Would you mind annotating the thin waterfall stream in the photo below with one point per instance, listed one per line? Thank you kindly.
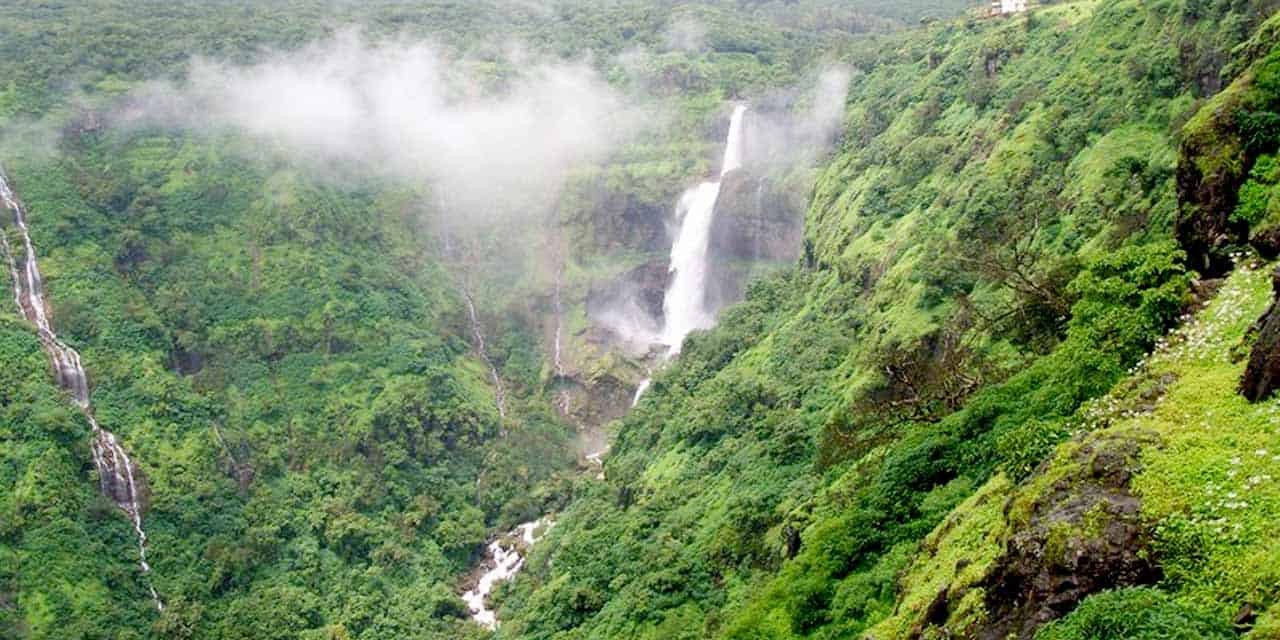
(117, 473)
(499, 393)
(563, 399)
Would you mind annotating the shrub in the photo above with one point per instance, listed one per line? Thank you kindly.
(1136, 613)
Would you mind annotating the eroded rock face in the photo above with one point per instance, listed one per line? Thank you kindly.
(1083, 536)
(755, 221)
(1262, 375)
(644, 286)
(1205, 202)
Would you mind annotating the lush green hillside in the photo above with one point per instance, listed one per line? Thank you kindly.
(995, 396)
(288, 357)
(990, 251)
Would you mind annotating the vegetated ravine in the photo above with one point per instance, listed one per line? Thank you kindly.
(953, 332)
(684, 310)
(119, 477)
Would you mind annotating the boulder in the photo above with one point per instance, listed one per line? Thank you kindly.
(1083, 535)
(1262, 374)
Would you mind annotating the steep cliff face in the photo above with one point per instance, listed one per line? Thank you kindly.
(1221, 145)
(758, 222)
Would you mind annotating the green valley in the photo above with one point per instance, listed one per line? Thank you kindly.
(559, 319)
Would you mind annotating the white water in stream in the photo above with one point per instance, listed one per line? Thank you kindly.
(684, 308)
(116, 471)
(506, 557)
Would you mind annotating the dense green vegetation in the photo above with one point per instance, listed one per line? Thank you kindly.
(988, 252)
(290, 360)
(999, 336)
(286, 364)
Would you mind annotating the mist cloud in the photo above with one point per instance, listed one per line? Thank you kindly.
(405, 109)
(686, 34)
(799, 134)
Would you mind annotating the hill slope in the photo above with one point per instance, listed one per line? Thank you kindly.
(991, 251)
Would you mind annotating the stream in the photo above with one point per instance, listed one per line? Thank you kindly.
(505, 558)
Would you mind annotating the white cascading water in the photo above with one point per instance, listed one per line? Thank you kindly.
(640, 389)
(684, 308)
(506, 554)
(116, 471)
(499, 394)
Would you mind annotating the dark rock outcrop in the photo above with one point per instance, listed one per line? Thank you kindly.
(1262, 375)
(1209, 178)
(1266, 242)
(1217, 153)
(1083, 535)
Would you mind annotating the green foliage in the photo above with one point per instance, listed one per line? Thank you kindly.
(1258, 202)
(1138, 613)
(986, 255)
(996, 177)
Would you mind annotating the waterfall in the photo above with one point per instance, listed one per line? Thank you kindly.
(684, 307)
(564, 400)
(559, 364)
(117, 473)
(640, 389)
(499, 394)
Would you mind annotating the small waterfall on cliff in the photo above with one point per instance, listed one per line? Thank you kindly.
(684, 306)
(117, 473)
(563, 399)
(499, 393)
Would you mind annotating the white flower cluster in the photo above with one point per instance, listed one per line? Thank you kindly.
(1196, 338)
(1224, 503)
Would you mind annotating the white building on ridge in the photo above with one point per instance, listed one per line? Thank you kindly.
(1002, 7)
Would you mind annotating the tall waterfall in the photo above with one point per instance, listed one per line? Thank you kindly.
(117, 473)
(684, 307)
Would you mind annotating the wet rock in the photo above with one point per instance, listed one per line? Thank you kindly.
(755, 221)
(1262, 374)
(1266, 242)
(592, 403)
(644, 287)
(1083, 535)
